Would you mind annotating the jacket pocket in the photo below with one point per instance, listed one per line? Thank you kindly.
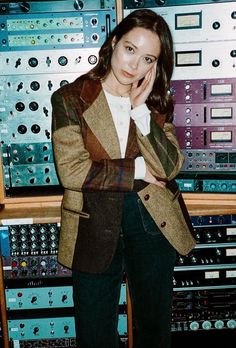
(81, 213)
(68, 236)
(149, 225)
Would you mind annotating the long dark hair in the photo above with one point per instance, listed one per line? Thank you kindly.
(159, 99)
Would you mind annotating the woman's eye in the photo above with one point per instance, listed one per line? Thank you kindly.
(148, 60)
(130, 49)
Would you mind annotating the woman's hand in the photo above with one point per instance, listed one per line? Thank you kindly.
(152, 180)
(139, 94)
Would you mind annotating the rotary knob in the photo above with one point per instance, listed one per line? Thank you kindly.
(216, 25)
(160, 2)
(62, 61)
(206, 325)
(35, 85)
(194, 326)
(35, 128)
(35, 330)
(20, 106)
(33, 106)
(215, 63)
(22, 129)
(188, 134)
(139, 3)
(78, 5)
(231, 324)
(219, 324)
(25, 7)
(92, 59)
(34, 299)
(33, 62)
(3, 8)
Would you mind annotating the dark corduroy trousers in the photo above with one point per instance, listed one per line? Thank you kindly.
(147, 259)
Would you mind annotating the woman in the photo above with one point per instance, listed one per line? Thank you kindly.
(116, 155)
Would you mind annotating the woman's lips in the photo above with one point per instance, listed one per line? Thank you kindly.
(127, 74)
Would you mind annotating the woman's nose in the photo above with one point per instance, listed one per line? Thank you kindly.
(134, 63)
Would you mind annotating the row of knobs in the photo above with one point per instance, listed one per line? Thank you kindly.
(215, 255)
(31, 268)
(207, 325)
(25, 6)
(78, 5)
(34, 262)
(36, 330)
(62, 60)
(34, 298)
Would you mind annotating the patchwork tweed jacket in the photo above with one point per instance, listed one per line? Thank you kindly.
(94, 177)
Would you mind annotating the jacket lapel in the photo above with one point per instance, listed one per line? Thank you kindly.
(132, 149)
(99, 119)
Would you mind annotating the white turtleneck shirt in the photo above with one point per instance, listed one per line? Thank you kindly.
(121, 111)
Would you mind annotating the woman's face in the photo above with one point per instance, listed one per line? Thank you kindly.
(134, 55)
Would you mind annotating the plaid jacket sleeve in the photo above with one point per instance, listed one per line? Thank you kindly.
(75, 167)
(161, 151)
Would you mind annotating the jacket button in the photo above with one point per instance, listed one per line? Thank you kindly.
(163, 224)
(146, 197)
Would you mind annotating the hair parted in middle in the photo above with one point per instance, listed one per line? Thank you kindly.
(159, 99)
